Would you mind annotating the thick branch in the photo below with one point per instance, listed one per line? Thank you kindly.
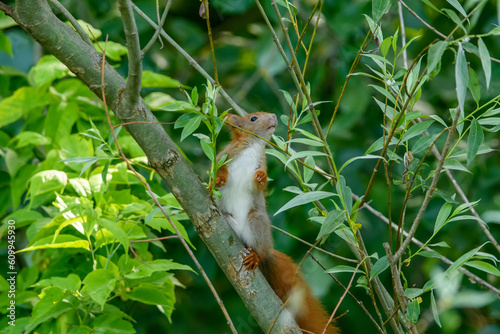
(36, 17)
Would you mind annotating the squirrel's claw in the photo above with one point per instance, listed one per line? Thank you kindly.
(251, 260)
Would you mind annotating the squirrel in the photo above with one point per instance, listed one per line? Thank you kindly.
(242, 182)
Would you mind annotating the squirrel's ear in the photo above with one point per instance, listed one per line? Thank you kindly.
(234, 120)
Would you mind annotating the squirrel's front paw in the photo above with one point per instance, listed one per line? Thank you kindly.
(261, 178)
(220, 181)
(251, 260)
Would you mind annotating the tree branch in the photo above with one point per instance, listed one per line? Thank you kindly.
(429, 192)
(133, 87)
(58, 38)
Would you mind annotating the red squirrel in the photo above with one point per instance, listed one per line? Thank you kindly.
(242, 182)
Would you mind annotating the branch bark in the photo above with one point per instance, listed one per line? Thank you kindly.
(59, 39)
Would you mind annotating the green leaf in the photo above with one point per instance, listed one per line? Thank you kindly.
(48, 69)
(379, 8)
(110, 323)
(154, 295)
(47, 181)
(380, 266)
(148, 268)
(474, 86)
(191, 126)
(442, 216)
(385, 46)
(344, 269)
(464, 258)
(151, 79)
(308, 173)
(454, 164)
(23, 101)
(117, 231)
(416, 130)
(304, 199)
(60, 118)
(458, 7)
(484, 266)
(476, 138)
(413, 292)
(435, 54)
(413, 311)
(26, 138)
(194, 96)
(484, 55)
(306, 141)
(454, 17)
(71, 283)
(302, 154)
(435, 312)
(62, 241)
(332, 220)
(368, 156)
(423, 143)
(5, 44)
(289, 100)
(114, 51)
(346, 192)
(99, 284)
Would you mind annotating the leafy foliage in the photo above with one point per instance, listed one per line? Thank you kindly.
(90, 258)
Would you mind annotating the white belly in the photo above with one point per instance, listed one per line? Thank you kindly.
(238, 192)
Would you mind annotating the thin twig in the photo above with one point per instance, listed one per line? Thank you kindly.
(421, 20)
(417, 242)
(430, 191)
(398, 287)
(158, 29)
(8, 10)
(360, 303)
(191, 60)
(72, 20)
(207, 18)
(403, 34)
(302, 87)
(315, 247)
(342, 297)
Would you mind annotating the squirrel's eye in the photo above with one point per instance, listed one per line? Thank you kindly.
(254, 118)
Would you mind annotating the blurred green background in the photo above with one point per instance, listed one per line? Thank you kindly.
(252, 71)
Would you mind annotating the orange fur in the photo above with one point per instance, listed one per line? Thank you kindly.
(283, 276)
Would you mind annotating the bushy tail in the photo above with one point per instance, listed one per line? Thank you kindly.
(288, 284)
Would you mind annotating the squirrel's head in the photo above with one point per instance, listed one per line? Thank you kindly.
(262, 124)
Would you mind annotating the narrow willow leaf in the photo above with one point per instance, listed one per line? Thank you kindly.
(435, 54)
(304, 199)
(344, 269)
(423, 143)
(381, 265)
(454, 164)
(474, 86)
(368, 156)
(458, 7)
(332, 220)
(413, 292)
(416, 130)
(435, 311)
(302, 154)
(476, 138)
(461, 77)
(379, 8)
(442, 216)
(413, 311)
(464, 258)
(484, 266)
(191, 127)
(485, 61)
